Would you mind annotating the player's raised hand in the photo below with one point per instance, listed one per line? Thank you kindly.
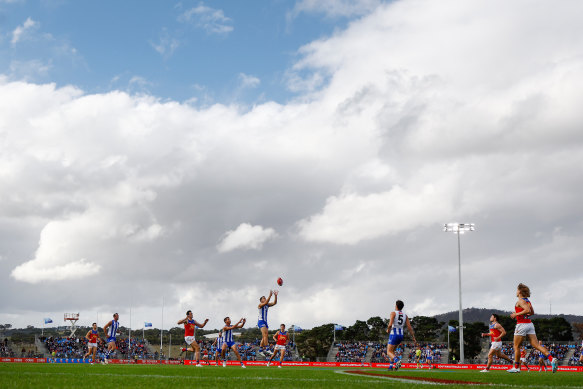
(276, 292)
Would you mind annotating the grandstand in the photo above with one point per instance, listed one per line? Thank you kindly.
(563, 351)
(76, 347)
(574, 355)
(5, 350)
(375, 352)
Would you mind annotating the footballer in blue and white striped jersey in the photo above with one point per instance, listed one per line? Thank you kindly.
(111, 329)
(218, 343)
(264, 305)
(397, 321)
(228, 341)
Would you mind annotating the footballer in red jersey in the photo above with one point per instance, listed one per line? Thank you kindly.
(496, 334)
(92, 336)
(523, 357)
(281, 340)
(525, 329)
(189, 326)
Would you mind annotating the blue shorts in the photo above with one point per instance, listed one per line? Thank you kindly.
(229, 344)
(395, 339)
(262, 323)
(111, 339)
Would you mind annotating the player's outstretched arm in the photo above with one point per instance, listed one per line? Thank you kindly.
(200, 325)
(241, 323)
(261, 305)
(275, 299)
(182, 321)
(87, 335)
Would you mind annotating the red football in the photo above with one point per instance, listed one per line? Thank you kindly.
(279, 281)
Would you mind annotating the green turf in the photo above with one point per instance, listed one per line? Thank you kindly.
(164, 376)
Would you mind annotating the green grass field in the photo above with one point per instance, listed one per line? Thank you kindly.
(21, 375)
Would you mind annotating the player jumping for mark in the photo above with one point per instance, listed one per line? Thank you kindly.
(264, 305)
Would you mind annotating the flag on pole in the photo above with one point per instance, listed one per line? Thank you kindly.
(48, 320)
(146, 324)
(451, 329)
(338, 327)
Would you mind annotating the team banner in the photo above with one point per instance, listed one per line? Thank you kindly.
(576, 369)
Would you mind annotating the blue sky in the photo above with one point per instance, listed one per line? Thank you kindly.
(222, 51)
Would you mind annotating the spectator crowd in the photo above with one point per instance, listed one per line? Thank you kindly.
(76, 347)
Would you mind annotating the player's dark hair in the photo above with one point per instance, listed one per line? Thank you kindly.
(188, 312)
(524, 290)
(282, 325)
(94, 323)
(225, 319)
(399, 304)
(115, 314)
(261, 298)
(495, 316)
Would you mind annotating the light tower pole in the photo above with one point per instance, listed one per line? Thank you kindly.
(460, 228)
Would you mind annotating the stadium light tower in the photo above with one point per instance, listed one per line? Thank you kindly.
(460, 228)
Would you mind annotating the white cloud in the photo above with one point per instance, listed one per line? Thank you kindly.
(20, 32)
(248, 81)
(352, 218)
(246, 237)
(29, 70)
(211, 20)
(336, 8)
(166, 44)
(414, 115)
(33, 273)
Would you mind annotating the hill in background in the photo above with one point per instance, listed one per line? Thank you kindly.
(483, 315)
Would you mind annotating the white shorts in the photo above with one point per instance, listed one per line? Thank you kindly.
(496, 346)
(92, 345)
(189, 339)
(279, 347)
(523, 360)
(523, 329)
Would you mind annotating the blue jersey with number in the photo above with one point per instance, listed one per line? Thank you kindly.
(399, 323)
